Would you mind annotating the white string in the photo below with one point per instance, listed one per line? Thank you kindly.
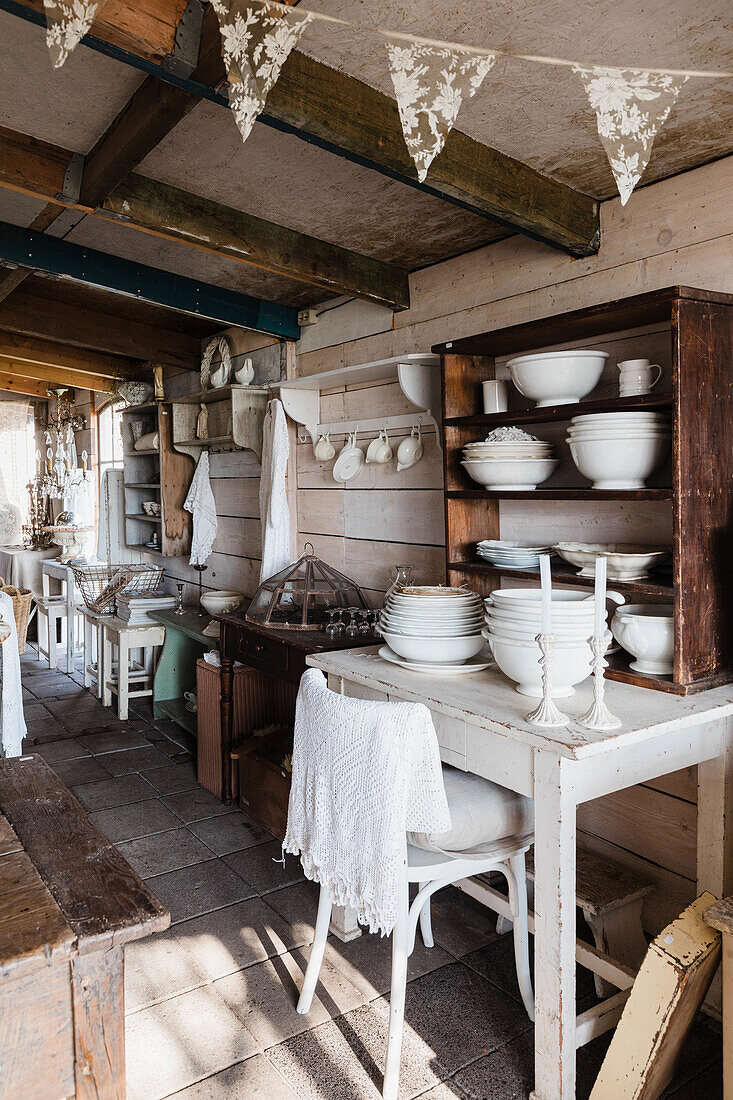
(486, 51)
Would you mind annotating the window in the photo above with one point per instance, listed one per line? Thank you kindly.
(109, 432)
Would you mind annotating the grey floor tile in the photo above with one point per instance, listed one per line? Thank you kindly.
(236, 937)
(26, 695)
(172, 778)
(120, 790)
(264, 997)
(136, 820)
(141, 759)
(297, 905)
(155, 855)
(495, 962)
(254, 1079)
(191, 891)
(83, 706)
(258, 866)
(48, 728)
(367, 961)
(460, 923)
(34, 711)
(230, 832)
(112, 740)
(449, 1090)
(181, 1041)
(158, 968)
(84, 770)
(67, 749)
(196, 805)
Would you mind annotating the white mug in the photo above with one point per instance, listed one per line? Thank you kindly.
(495, 396)
(324, 449)
(410, 450)
(379, 450)
(636, 376)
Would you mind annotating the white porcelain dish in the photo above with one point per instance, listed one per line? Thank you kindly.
(416, 630)
(478, 663)
(221, 601)
(532, 597)
(510, 473)
(625, 561)
(557, 377)
(625, 463)
(646, 631)
(520, 662)
(505, 544)
(434, 650)
(350, 461)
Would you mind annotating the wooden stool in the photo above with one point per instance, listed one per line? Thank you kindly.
(55, 609)
(69, 902)
(116, 633)
(93, 649)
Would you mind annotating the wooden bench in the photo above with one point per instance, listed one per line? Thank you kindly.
(68, 903)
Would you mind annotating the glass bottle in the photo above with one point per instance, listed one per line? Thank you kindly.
(403, 579)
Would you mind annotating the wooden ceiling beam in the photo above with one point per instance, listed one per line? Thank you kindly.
(29, 349)
(177, 216)
(55, 375)
(14, 383)
(145, 27)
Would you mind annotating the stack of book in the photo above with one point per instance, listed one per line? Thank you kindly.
(136, 610)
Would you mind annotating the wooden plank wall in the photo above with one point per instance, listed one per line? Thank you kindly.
(679, 230)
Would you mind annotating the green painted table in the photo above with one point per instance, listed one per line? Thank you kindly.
(184, 643)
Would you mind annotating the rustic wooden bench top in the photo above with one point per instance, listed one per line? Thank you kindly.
(65, 890)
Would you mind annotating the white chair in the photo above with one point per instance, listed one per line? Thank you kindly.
(55, 609)
(482, 813)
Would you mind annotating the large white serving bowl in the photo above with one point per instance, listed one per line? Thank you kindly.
(646, 631)
(517, 598)
(557, 377)
(520, 661)
(510, 473)
(221, 601)
(616, 464)
(625, 561)
(583, 628)
(625, 418)
(435, 650)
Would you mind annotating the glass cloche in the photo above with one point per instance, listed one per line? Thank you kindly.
(300, 596)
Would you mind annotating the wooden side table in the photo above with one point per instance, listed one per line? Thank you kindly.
(116, 633)
(68, 903)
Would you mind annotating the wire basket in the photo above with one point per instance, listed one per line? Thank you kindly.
(100, 585)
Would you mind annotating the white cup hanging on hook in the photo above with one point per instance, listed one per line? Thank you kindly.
(410, 450)
(324, 449)
(379, 450)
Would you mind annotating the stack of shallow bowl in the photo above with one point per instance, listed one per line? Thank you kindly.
(433, 625)
(511, 555)
(513, 621)
(509, 463)
(619, 450)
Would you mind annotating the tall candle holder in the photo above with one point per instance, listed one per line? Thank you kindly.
(598, 716)
(546, 713)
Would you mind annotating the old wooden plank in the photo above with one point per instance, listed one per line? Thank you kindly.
(97, 989)
(27, 349)
(33, 931)
(146, 26)
(18, 383)
(30, 165)
(371, 563)
(237, 496)
(425, 474)
(36, 1037)
(64, 375)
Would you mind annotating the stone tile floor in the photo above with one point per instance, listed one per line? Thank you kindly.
(211, 1003)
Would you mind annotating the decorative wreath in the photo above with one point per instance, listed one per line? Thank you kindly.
(220, 344)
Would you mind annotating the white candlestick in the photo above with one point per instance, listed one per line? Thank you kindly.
(599, 628)
(546, 593)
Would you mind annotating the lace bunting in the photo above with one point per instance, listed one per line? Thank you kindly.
(631, 107)
(430, 85)
(256, 43)
(67, 21)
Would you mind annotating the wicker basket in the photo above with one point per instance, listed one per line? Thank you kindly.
(100, 585)
(22, 599)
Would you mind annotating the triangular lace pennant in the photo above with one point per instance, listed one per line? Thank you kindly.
(430, 84)
(256, 43)
(631, 107)
(67, 21)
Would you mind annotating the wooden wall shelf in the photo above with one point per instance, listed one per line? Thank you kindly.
(698, 326)
(236, 416)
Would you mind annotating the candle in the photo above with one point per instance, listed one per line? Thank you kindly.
(599, 628)
(84, 457)
(38, 461)
(546, 593)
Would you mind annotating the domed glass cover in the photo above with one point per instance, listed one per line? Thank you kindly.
(300, 596)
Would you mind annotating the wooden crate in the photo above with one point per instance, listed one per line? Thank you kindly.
(264, 790)
(259, 700)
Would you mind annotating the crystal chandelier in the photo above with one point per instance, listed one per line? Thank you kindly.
(60, 451)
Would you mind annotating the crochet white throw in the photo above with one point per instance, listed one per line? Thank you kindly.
(200, 502)
(274, 511)
(364, 773)
(12, 722)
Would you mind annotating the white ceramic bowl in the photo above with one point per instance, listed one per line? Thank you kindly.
(520, 661)
(221, 601)
(625, 561)
(531, 598)
(434, 650)
(646, 631)
(557, 377)
(605, 418)
(610, 465)
(510, 473)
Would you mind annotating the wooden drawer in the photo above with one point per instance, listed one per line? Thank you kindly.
(267, 654)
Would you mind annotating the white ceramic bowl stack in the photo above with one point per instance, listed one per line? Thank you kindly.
(619, 450)
(511, 555)
(513, 619)
(522, 462)
(433, 625)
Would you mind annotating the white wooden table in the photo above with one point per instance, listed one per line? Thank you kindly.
(481, 726)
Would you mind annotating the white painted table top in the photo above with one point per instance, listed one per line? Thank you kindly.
(487, 699)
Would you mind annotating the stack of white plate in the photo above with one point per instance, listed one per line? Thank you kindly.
(513, 621)
(619, 450)
(509, 463)
(429, 624)
(511, 555)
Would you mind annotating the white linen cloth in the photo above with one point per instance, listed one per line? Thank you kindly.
(200, 503)
(364, 773)
(274, 511)
(12, 721)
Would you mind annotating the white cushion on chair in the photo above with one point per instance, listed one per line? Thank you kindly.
(482, 812)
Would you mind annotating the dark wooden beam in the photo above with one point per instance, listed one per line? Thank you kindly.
(344, 116)
(175, 215)
(29, 349)
(29, 387)
(145, 27)
(148, 284)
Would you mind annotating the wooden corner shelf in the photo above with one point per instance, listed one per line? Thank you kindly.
(235, 418)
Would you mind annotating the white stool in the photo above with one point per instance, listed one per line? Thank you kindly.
(116, 633)
(93, 649)
(55, 609)
(481, 813)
